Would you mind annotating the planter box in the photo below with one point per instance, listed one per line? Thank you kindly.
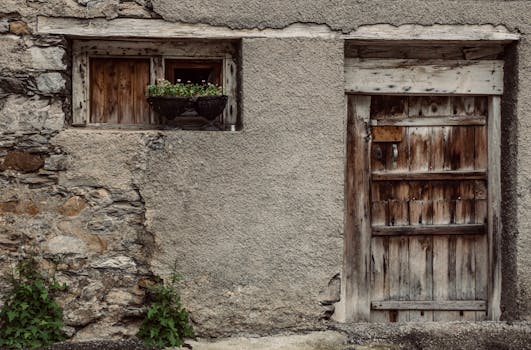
(208, 107)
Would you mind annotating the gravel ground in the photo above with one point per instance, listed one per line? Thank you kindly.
(130, 344)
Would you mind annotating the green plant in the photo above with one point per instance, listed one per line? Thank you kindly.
(30, 317)
(166, 322)
(165, 88)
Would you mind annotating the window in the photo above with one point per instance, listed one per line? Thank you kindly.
(109, 80)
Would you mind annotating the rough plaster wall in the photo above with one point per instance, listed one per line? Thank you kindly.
(345, 15)
(254, 218)
(523, 111)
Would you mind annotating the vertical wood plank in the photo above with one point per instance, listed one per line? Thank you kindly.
(465, 248)
(494, 200)
(379, 210)
(357, 224)
(230, 88)
(124, 92)
(156, 74)
(111, 92)
(379, 276)
(465, 273)
(398, 275)
(443, 255)
(480, 148)
(420, 275)
(438, 144)
(80, 86)
(463, 105)
(141, 108)
(482, 261)
(419, 148)
(97, 91)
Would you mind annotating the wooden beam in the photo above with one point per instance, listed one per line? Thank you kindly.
(429, 230)
(432, 121)
(158, 28)
(457, 305)
(423, 77)
(494, 211)
(422, 176)
(80, 91)
(430, 34)
(355, 280)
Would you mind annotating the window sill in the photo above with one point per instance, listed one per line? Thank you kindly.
(133, 127)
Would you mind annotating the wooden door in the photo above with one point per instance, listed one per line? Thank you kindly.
(419, 189)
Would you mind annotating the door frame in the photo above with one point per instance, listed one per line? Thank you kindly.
(410, 77)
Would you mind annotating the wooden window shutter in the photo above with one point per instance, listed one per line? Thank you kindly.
(117, 90)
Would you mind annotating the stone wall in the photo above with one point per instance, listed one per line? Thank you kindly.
(91, 234)
(254, 219)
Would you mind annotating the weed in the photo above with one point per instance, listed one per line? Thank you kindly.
(166, 322)
(30, 317)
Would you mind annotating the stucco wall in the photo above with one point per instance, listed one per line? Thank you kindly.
(253, 218)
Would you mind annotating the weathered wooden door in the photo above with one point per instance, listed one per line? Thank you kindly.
(428, 195)
(422, 218)
(418, 179)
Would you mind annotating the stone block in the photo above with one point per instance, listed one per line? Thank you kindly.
(18, 113)
(19, 28)
(22, 161)
(56, 162)
(4, 25)
(73, 206)
(47, 58)
(121, 297)
(66, 245)
(82, 314)
(51, 83)
(26, 207)
(118, 262)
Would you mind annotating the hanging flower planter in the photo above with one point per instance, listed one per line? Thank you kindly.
(210, 106)
(170, 106)
(173, 100)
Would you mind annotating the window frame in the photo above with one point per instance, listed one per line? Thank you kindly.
(157, 52)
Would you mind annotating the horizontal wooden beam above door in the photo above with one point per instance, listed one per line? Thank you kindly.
(457, 305)
(429, 34)
(423, 77)
(429, 230)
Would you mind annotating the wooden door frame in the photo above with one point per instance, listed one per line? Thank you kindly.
(355, 303)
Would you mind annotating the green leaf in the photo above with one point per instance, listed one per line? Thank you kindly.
(11, 315)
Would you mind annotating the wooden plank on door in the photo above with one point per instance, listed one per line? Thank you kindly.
(398, 276)
(482, 259)
(379, 276)
(494, 200)
(357, 263)
(420, 275)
